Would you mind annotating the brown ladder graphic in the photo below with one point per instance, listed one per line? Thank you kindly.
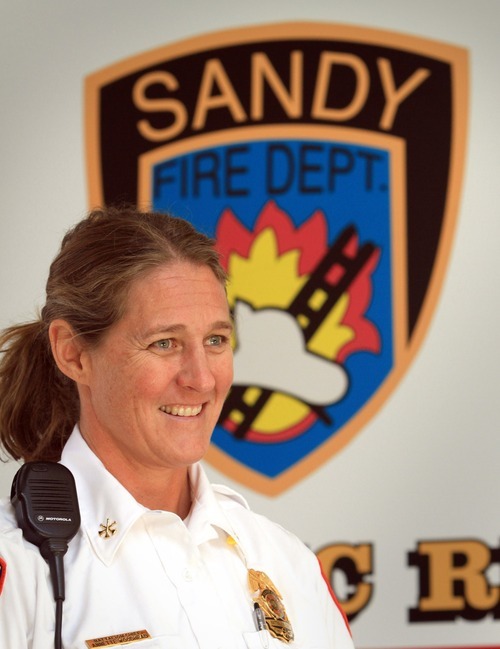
(327, 283)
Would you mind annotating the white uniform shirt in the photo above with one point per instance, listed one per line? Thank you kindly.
(184, 582)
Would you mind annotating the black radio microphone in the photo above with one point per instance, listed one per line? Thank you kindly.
(46, 504)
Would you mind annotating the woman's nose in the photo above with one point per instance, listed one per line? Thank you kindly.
(196, 372)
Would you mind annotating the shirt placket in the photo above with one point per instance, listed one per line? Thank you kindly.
(206, 618)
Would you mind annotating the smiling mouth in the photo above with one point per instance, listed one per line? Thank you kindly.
(182, 411)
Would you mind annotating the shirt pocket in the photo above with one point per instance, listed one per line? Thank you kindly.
(162, 642)
(264, 640)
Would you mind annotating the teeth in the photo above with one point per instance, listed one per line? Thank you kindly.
(181, 411)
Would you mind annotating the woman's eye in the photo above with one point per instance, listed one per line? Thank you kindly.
(216, 340)
(165, 343)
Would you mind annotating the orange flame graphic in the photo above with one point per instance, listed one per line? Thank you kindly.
(283, 264)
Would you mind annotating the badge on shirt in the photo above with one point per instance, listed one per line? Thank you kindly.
(265, 593)
(118, 640)
(3, 573)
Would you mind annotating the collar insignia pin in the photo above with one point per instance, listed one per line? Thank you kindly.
(108, 529)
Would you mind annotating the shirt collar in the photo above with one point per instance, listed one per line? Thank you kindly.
(206, 512)
(105, 504)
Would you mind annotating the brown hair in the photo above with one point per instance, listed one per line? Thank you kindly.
(87, 287)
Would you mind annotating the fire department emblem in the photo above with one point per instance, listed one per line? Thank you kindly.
(326, 161)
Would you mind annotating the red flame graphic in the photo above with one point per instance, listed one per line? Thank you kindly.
(311, 239)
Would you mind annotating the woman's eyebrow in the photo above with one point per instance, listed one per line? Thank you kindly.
(179, 328)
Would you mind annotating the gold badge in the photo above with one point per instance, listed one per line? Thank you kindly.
(268, 597)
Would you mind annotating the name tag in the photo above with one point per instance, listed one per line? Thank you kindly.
(117, 640)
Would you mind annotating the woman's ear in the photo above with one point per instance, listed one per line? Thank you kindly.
(67, 349)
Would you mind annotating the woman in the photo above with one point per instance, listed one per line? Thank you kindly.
(122, 380)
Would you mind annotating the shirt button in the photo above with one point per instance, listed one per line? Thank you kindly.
(188, 575)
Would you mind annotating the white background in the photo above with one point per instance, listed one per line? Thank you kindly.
(427, 466)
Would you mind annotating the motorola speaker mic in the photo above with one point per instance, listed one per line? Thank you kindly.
(44, 498)
(46, 505)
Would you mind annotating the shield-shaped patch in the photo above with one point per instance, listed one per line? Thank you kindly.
(327, 162)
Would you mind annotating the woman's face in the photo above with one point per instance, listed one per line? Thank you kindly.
(155, 385)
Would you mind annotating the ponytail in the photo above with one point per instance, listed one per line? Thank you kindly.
(38, 404)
